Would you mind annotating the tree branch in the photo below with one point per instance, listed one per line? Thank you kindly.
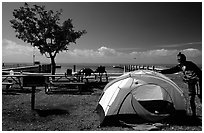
(47, 56)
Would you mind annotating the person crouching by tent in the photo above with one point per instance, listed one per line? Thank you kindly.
(192, 76)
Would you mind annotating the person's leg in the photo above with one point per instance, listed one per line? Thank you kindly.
(200, 88)
(192, 104)
(192, 93)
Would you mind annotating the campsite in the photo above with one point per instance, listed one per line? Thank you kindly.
(54, 55)
(66, 111)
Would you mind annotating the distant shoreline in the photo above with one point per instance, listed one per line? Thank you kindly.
(28, 63)
(93, 66)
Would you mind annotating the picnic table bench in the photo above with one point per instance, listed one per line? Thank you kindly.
(79, 85)
(16, 79)
(8, 85)
(38, 80)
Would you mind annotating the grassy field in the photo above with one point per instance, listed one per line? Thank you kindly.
(73, 112)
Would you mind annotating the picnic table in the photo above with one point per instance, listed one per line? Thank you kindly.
(8, 85)
(34, 80)
(79, 85)
(17, 79)
(38, 80)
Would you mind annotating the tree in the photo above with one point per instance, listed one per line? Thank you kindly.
(42, 29)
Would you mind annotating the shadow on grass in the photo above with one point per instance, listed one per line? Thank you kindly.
(10, 93)
(60, 109)
(59, 91)
(17, 91)
(48, 112)
(174, 120)
(184, 120)
(68, 92)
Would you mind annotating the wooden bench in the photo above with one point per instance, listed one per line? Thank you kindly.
(64, 83)
(8, 85)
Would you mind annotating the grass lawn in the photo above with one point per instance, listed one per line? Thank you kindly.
(73, 112)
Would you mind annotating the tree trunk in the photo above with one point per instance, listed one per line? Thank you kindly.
(53, 65)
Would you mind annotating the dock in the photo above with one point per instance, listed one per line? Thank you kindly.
(129, 68)
(44, 68)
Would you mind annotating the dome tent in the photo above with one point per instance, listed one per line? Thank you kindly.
(147, 94)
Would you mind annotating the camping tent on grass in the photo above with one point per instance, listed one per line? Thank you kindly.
(140, 95)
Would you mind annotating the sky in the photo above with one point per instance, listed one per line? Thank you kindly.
(117, 32)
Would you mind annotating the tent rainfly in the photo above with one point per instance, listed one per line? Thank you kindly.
(149, 95)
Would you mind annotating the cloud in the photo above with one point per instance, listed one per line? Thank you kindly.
(191, 52)
(109, 55)
(181, 45)
(101, 52)
(165, 53)
(83, 53)
(18, 52)
(105, 52)
(154, 53)
(12, 48)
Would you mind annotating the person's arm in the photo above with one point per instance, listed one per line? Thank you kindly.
(171, 70)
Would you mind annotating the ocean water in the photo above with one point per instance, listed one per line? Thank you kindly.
(109, 67)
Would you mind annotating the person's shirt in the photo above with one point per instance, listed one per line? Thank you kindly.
(190, 70)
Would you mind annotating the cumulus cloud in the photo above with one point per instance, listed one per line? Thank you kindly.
(12, 48)
(181, 45)
(191, 52)
(101, 52)
(154, 53)
(104, 51)
(83, 53)
(109, 52)
(106, 54)
(16, 51)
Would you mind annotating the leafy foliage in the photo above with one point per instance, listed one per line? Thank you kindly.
(42, 29)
